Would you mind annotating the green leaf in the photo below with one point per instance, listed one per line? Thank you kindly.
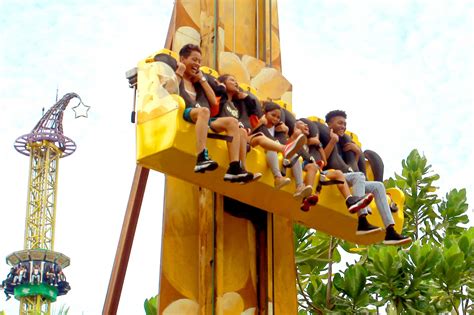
(150, 305)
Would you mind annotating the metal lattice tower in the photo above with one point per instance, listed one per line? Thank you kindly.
(45, 145)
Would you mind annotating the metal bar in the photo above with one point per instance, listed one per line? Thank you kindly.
(264, 32)
(220, 137)
(262, 268)
(257, 34)
(124, 247)
(206, 209)
(233, 33)
(215, 41)
(270, 30)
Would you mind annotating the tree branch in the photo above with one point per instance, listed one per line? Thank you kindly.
(317, 310)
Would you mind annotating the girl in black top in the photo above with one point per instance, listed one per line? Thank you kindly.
(200, 98)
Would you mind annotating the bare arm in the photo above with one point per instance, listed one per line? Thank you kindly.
(313, 141)
(211, 96)
(180, 71)
(351, 146)
(333, 139)
(323, 155)
(281, 127)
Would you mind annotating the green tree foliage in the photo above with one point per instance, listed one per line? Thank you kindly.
(63, 310)
(403, 278)
(352, 285)
(455, 272)
(417, 182)
(151, 305)
(314, 256)
(434, 275)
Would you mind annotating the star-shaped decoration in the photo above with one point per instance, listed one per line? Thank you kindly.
(80, 110)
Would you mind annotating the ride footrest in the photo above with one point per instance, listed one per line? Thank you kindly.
(220, 137)
(323, 181)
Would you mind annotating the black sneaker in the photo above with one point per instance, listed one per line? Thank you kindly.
(204, 163)
(235, 173)
(393, 238)
(355, 203)
(364, 227)
(251, 177)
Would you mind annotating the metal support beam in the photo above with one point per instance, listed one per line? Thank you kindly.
(124, 247)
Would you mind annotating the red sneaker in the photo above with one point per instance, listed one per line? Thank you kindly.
(305, 205)
(313, 200)
(308, 202)
(292, 147)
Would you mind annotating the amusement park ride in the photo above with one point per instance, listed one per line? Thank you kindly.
(36, 276)
(226, 248)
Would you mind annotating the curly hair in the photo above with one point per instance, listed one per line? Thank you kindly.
(335, 113)
(187, 49)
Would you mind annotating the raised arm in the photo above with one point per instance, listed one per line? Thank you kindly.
(211, 97)
(333, 139)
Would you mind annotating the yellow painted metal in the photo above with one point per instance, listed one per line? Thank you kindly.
(167, 144)
(284, 269)
(40, 212)
(34, 305)
(285, 105)
(248, 88)
(209, 71)
(151, 57)
(208, 255)
(42, 188)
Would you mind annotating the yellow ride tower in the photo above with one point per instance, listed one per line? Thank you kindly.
(36, 277)
(226, 248)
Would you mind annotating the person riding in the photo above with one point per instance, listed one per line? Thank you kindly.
(200, 100)
(246, 108)
(336, 121)
(314, 163)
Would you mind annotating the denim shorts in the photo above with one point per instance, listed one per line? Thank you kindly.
(187, 116)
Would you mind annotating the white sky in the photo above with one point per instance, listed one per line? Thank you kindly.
(403, 71)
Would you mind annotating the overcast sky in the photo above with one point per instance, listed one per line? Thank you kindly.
(403, 71)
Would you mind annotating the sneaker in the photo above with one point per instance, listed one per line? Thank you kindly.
(364, 227)
(303, 191)
(281, 181)
(235, 173)
(355, 203)
(294, 146)
(251, 177)
(393, 238)
(305, 205)
(313, 199)
(308, 202)
(204, 163)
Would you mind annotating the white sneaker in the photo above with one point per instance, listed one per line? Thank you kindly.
(281, 182)
(303, 191)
